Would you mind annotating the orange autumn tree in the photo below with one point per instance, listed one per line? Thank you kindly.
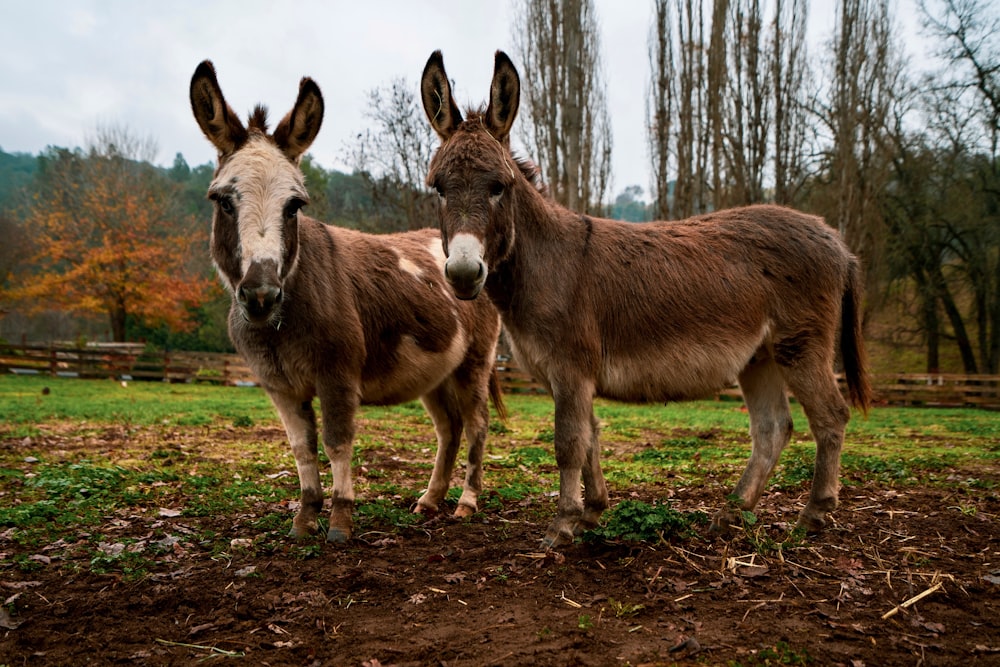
(109, 239)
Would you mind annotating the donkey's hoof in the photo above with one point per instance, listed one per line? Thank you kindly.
(722, 523)
(338, 535)
(300, 532)
(426, 510)
(558, 535)
(811, 524)
(463, 511)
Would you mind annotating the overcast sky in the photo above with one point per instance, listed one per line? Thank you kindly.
(68, 66)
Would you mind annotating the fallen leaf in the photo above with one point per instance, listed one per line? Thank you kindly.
(6, 621)
(167, 512)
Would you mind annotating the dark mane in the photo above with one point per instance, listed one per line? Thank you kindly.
(257, 121)
(475, 117)
(532, 174)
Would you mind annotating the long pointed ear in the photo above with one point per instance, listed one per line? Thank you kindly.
(215, 118)
(505, 95)
(297, 130)
(439, 105)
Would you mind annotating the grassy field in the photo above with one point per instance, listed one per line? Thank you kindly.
(139, 432)
(92, 446)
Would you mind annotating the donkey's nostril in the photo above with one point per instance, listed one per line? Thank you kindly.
(482, 270)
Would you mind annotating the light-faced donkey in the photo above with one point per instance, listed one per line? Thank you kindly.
(350, 318)
(664, 311)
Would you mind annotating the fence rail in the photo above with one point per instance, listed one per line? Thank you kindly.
(125, 361)
(134, 361)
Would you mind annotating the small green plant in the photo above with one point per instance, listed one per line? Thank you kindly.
(132, 563)
(546, 435)
(624, 609)
(383, 512)
(637, 521)
(584, 622)
(779, 654)
(243, 421)
(26, 564)
(533, 456)
(307, 551)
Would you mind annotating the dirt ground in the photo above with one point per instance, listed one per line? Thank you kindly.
(482, 591)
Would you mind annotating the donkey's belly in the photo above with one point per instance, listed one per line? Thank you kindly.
(415, 372)
(672, 373)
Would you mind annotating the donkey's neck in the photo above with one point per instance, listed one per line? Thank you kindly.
(550, 248)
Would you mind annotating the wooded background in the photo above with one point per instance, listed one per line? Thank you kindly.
(100, 244)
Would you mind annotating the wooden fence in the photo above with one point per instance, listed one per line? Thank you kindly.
(134, 361)
(126, 362)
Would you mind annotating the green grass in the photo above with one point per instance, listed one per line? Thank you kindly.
(84, 451)
(28, 401)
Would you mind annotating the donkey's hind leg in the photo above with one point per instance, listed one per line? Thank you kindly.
(442, 406)
(595, 488)
(770, 430)
(816, 389)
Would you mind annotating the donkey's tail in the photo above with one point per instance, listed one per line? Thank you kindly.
(496, 394)
(852, 343)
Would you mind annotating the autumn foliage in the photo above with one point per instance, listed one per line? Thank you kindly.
(109, 239)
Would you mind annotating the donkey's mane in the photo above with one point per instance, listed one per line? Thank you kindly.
(532, 174)
(475, 117)
(257, 121)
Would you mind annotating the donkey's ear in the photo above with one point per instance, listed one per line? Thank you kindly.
(505, 95)
(297, 130)
(215, 118)
(439, 105)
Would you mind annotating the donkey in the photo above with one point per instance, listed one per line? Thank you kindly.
(349, 317)
(663, 311)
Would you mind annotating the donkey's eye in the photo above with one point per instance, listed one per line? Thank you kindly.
(293, 206)
(225, 204)
(496, 190)
(439, 190)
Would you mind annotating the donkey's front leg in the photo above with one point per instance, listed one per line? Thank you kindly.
(299, 420)
(573, 440)
(339, 407)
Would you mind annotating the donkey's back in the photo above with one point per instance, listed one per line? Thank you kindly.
(676, 310)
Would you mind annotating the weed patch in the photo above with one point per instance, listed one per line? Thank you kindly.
(637, 521)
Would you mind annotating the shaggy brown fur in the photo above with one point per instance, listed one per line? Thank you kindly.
(349, 317)
(648, 312)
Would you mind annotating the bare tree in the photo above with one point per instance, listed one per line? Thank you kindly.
(715, 98)
(690, 192)
(746, 123)
(789, 78)
(393, 156)
(865, 85)
(713, 108)
(568, 130)
(660, 106)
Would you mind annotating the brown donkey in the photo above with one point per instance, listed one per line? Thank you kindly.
(349, 317)
(662, 311)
